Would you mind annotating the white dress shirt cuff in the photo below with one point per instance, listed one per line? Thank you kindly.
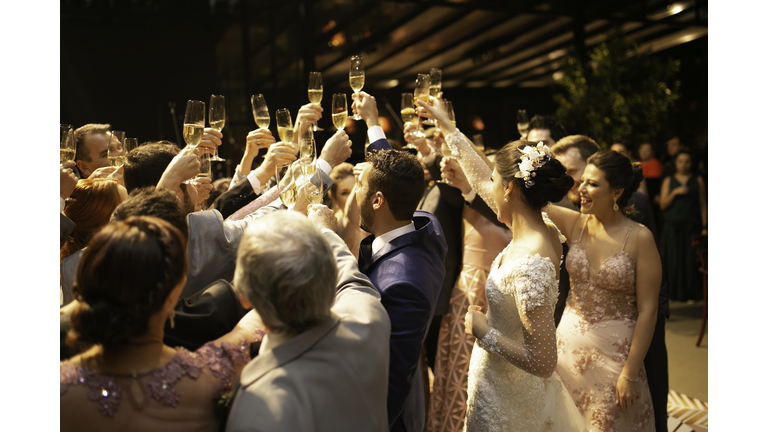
(469, 197)
(255, 183)
(375, 133)
(324, 166)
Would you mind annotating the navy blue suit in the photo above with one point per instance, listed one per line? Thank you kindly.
(408, 272)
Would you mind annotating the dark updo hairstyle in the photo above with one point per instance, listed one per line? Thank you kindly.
(551, 182)
(125, 276)
(619, 171)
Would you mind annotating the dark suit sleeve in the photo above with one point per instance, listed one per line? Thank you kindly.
(379, 144)
(66, 226)
(235, 198)
(480, 206)
(408, 309)
(449, 194)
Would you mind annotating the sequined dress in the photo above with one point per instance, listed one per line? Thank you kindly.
(178, 396)
(510, 384)
(594, 337)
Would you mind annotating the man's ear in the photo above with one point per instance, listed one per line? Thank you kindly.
(246, 304)
(378, 200)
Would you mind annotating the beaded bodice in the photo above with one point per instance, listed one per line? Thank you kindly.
(610, 294)
(107, 390)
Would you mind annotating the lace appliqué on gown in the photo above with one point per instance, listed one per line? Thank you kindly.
(501, 395)
(107, 392)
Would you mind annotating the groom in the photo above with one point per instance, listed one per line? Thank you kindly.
(404, 258)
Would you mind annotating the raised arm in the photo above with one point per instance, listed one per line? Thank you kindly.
(563, 218)
(536, 289)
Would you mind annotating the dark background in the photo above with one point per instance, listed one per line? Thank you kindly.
(126, 62)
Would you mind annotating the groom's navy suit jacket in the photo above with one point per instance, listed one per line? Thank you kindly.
(408, 272)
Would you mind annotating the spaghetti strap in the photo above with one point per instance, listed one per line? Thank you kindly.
(627, 237)
(582, 228)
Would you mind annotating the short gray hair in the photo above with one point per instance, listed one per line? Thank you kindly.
(286, 270)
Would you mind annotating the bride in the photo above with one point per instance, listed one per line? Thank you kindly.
(512, 384)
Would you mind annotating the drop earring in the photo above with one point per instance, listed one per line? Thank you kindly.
(171, 316)
(615, 206)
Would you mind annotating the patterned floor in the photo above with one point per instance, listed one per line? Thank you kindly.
(686, 413)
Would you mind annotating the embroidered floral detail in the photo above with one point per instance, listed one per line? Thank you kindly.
(584, 399)
(644, 416)
(622, 350)
(106, 391)
(610, 295)
(586, 358)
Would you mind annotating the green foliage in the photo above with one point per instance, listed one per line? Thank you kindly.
(622, 95)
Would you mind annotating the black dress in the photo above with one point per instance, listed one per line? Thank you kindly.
(682, 222)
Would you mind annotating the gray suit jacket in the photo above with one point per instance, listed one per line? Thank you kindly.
(332, 377)
(211, 251)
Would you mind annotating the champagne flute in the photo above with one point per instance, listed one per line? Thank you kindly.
(116, 150)
(408, 113)
(260, 111)
(522, 123)
(194, 123)
(315, 91)
(66, 144)
(421, 92)
(307, 153)
(130, 144)
(339, 111)
(286, 184)
(356, 79)
(435, 85)
(447, 154)
(448, 107)
(284, 125)
(216, 118)
(313, 188)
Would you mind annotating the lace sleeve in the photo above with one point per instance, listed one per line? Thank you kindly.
(225, 361)
(477, 171)
(266, 198)
(535, 287)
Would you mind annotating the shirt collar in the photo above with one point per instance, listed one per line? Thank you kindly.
(382, 240)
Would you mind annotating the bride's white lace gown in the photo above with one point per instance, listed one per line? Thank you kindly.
(512, 386)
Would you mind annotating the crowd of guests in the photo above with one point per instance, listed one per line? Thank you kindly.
(191, 305)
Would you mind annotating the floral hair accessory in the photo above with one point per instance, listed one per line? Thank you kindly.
(531, 160)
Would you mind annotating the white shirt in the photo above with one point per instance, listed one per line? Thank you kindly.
(382, 240)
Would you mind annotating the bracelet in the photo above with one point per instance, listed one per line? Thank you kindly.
(630, 379)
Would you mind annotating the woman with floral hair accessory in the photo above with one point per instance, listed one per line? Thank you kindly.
(611, 310)
(512, 381)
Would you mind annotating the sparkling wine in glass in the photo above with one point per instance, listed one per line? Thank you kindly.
(286, 184)
(435, 86)
(408, 113)
(284, 125)
(66, 144)
(315, 91)
(447, 154)
(307, 153)
(448, 106)
(260, 111)
(339, 111)
(421, 92)
(522, 123)
(194, 123)
(116, 151)
(356, 78)
(313, 188)
(216, 118)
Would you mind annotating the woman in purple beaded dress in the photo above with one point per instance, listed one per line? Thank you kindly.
(610, 312)
(129, 279)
